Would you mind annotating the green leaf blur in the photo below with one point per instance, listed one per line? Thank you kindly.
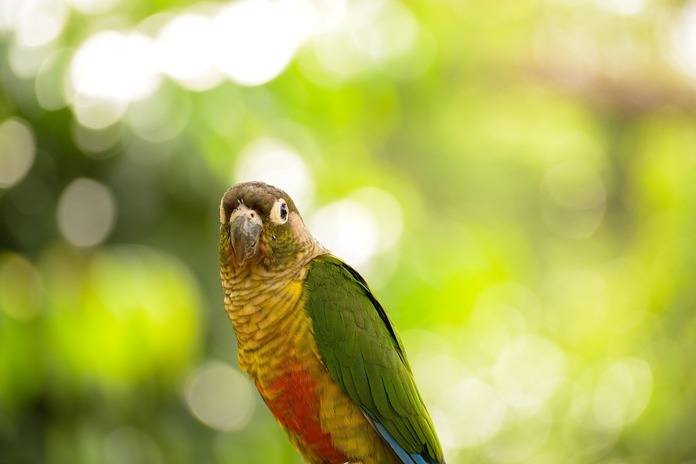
(514, 179)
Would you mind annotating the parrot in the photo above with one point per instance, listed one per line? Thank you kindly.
(319, 347)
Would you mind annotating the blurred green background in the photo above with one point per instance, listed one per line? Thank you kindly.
(516, 180)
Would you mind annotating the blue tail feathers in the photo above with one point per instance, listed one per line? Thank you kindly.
(406, 457)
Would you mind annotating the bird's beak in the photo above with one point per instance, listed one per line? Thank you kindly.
(244, 236)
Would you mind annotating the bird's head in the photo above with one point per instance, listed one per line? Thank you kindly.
(260, 223)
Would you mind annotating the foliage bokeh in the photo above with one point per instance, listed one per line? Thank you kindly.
(515, 180)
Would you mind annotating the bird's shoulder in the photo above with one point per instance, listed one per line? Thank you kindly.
(335, 289)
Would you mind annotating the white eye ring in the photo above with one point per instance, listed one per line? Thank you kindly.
(280, 212)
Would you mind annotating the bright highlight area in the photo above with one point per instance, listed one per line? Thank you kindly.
(249, 42)
(220, 396)
(358, 228)
(115, 66)
(277, 164)
(682, 41)
(528, 371)
(108, 71)
(17, 151)
(256, 39)
(469, 413)
(36, 22)
(184, 51)
(612, 395)
(86, 212)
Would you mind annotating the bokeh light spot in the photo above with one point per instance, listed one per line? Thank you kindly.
(468, 414)
(349, 229)
(256, 39)
(528, 371)
(39, 21)
(357, 228)
(114, 65)
(681, 49)
(271, 161)
(219, 396)
(185, 51)
(25, 61)
(387, 212)
(86, 212)
(98, 113)
(94, 142)
(160, 117)
(9, 10)
(17, 151)
(501, 313)
(622, 392)
(520, 437)
(611, 395)
(433, 372)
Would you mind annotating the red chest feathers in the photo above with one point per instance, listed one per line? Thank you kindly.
(294, 401)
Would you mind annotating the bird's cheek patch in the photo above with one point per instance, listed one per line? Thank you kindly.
(299, 230)
(296, 224)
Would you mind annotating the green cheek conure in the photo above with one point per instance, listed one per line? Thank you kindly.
(320, 348)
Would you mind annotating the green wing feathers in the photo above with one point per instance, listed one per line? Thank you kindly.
(364, 355)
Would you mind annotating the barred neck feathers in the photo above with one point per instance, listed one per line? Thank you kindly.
(258, 298)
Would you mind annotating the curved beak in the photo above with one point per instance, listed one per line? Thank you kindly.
(245, 231)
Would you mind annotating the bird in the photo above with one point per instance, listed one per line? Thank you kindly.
(319, 347)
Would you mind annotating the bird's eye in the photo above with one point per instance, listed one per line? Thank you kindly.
(279, 212)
